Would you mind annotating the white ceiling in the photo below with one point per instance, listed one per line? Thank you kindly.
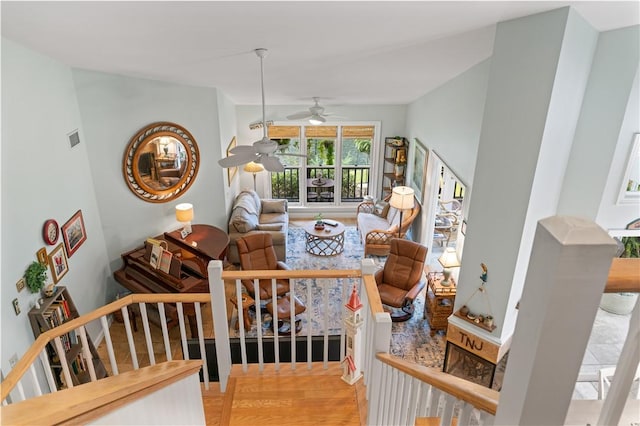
(347, 53)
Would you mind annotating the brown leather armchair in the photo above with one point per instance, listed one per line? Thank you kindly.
(257, 253)
(401, 279)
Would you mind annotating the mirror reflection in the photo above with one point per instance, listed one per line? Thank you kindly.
(161, 162)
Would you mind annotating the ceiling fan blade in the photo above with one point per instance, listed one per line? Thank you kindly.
(237, 160)
(299, 115)
(243, 149)
(272, 164)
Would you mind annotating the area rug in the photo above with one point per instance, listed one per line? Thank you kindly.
(411, 340)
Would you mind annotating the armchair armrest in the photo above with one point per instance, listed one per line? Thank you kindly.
(283, 266)
(413, 293)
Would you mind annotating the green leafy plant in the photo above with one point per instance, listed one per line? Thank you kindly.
(35, 275)
(631, 247)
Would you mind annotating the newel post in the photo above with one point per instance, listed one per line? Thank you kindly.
(567, 273)
(220, 327)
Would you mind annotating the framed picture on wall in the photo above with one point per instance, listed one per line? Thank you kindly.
(630, 189)
(58, 263)
(231, 171)
(419, 170)
(74, 233)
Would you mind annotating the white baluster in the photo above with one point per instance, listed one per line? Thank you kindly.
(243, 344)
(147, 332)
(309, 326)
(44, 358)
(183, 331)
(165, 331)
(34, 380)
(203, 352)
(274, 323)
(256, 285)
(109, 344)
(88, 356)
(447, 412)
(132, 345)
(63, 362)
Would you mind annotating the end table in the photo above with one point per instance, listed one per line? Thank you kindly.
(439, 301)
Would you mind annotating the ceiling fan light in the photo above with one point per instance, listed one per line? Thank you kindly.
(316, 120)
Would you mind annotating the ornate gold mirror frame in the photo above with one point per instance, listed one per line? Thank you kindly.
(161, 162)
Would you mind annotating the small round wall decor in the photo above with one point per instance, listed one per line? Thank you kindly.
(51, 232)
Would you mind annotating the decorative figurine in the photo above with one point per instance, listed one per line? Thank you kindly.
(483, 277)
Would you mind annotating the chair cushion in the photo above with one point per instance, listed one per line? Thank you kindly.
(270, 227)
(392, 296)
(284, 307)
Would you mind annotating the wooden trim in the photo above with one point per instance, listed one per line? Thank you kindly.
(227, 404)
(479, 396)
(82, 404)
(624, 276)
(370, 286)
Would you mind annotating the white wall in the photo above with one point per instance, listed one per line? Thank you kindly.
(114, 108)
(43, 178)
(604, 134)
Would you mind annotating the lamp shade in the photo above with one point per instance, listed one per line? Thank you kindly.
(449, 259)
(402, 198)
(184, 212)
(253, 167)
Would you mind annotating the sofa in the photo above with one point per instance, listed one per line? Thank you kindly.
(251, 214)
(378, 224)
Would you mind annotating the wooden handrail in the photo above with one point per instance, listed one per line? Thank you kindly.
(624, 276)
(479, 396)
(370, 286)
(22, 366)
(81, 404)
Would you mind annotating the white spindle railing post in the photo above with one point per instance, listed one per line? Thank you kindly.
(221, 328)
(625, 373)
(109, 344)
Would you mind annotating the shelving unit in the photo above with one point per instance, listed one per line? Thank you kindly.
(56, 310)
(395, 163)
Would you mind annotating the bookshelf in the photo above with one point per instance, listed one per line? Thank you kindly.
(56, 310)
(395, 161)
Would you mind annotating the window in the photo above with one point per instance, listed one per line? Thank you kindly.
(337, 167)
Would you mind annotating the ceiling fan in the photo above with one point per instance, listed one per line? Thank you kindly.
(260, 151)
(315, 114)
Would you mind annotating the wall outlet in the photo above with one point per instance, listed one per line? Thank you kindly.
(13, 360)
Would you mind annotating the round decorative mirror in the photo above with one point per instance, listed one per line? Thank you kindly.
(161, 162)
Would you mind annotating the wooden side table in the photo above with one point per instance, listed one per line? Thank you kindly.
(439, 301)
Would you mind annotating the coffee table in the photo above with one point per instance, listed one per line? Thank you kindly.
(324, 242)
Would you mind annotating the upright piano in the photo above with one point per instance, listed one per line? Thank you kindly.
(187, 272)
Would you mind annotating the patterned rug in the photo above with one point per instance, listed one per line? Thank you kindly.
(411, 340)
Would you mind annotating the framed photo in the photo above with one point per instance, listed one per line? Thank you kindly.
(419, 170)
(463, 228)
(58, 263)
(74, 233)
(231, 171)
(42, 256)
(630, 189)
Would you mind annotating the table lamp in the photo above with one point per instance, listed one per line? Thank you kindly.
(402, 199)
(448, 260)
(184, 214)
(254, 168)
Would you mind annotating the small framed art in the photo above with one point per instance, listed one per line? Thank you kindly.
(42, 256)
(74, 233)
(58, 263)
(231, 171)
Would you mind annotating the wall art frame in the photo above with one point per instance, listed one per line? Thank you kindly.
(231, 171)
(419, 169)
(74, 233)
(58, 263)
(630, 186)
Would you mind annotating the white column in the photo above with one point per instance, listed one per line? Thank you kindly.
(569, 266)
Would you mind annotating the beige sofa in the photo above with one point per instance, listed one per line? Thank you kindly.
(378, 224)
(252, 214)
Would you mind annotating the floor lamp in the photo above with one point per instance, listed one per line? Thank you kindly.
(402, 199)
(254, 168)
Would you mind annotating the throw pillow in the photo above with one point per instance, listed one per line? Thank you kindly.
(273, 206)
(270, 227)
(244, 222)
(381, 208)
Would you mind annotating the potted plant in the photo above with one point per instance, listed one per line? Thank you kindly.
(319, 223)
(35, 275)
